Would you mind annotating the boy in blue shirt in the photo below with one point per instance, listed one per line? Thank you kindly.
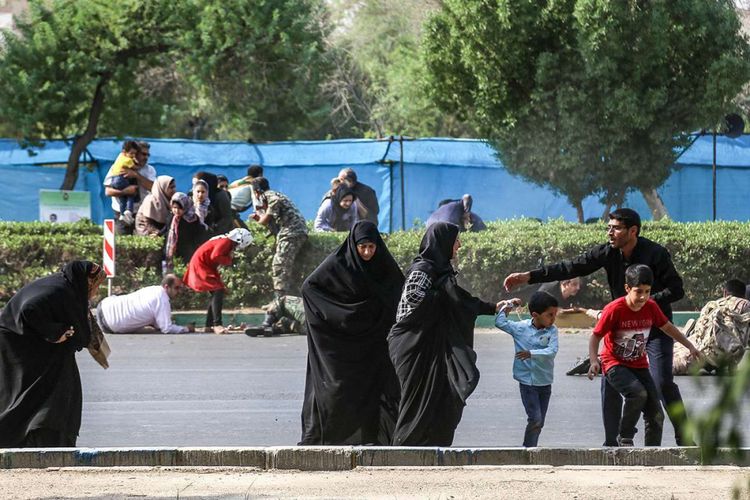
(536, 347)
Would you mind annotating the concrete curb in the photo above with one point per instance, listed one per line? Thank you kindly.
(335, 458)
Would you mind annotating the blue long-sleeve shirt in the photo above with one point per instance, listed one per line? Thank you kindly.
(542, 344)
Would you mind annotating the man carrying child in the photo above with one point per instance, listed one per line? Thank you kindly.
(625, 325)
(135, 180)
(117, 178)
(536, 347)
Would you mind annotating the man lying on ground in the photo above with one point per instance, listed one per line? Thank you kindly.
(146, 307)
(721, 333)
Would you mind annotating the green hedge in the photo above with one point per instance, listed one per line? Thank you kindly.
(704, 253)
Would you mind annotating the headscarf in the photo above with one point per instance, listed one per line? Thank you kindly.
(186, 203)
(347, 278)
(201, 209)
(156, 204)
(212, 182)
(436, 250)
(337, 212)
(173, 235)
(78, 273)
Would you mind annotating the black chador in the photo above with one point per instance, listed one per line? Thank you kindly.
(40, 387)
(431, 344)
(351, 391)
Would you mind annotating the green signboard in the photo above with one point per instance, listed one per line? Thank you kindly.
(64, 206)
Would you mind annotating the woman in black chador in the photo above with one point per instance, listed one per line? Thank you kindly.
(351, 390)
(41, 328)
(431, 344)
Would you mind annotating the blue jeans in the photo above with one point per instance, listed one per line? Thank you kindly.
(120, 182)
(641, 396)
(659, 350)
(535, 399)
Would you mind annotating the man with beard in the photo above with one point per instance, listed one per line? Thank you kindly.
(627, 247)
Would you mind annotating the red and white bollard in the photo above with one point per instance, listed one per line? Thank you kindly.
(108, 252)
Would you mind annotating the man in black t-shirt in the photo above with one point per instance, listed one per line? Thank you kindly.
(627, 247)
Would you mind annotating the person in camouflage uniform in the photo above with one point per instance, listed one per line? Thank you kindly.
(721, 333)
(286, 315)
(277, 212)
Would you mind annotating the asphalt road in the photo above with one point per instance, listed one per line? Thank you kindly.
(233, 390)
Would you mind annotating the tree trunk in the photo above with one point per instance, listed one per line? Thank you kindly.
(607, 210)
(654, 202)
(82, 141)
(579, 211)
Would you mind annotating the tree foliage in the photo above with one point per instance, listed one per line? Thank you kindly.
(243, 69)
(588, 96)
(378, 87)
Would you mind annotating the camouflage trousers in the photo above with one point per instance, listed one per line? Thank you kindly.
(282, 265)
(290, 314)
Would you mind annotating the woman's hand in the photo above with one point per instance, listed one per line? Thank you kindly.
(65, 336)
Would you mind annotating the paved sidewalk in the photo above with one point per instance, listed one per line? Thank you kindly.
(517, 483)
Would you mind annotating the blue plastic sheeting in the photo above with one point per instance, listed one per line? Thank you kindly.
(433, 169)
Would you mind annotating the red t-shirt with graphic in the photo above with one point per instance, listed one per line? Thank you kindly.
(626, 332)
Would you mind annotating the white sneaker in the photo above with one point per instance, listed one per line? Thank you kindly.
(127, 218)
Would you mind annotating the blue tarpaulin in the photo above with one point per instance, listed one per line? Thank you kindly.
(431, 169)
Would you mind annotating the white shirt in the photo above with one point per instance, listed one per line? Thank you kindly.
(149, 173)
(148, 306)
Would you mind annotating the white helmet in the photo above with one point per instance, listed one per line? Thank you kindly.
(241, 236)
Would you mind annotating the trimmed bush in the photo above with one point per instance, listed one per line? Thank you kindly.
(705, 254)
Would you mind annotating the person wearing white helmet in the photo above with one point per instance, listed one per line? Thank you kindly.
(202, 274)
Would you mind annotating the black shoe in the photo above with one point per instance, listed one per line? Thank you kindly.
(254, 331)
(268, 331)
(581, 367)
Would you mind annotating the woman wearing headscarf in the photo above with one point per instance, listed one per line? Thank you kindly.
(41, 328)
(153, 212)
(201, 202)
(351, 390)
(219, 218)
(431, 344)
(339, 212)
(202, 273)
(184, 230)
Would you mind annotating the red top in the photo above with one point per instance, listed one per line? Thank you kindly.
(202, 274)
(626, 332)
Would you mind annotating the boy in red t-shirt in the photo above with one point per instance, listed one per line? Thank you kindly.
(625, 324)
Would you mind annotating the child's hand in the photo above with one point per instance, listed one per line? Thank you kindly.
(594, 369)
(507, 305)
(523, 355)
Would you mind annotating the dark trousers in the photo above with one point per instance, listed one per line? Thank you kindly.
(535, 399)
(48, 438)
(215, 304)
(641, 396)
(659, 350)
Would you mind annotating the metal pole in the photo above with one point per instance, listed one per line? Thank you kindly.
(401, 170)
(390, 180)
(713, 171)
(109, 287)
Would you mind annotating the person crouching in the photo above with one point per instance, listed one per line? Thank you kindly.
(202, 274)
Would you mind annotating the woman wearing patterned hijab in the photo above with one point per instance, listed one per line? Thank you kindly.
(184, 230)
(431, 344)
(41, 328)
